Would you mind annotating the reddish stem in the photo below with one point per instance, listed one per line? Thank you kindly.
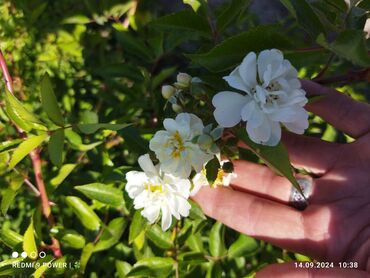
(36, 163)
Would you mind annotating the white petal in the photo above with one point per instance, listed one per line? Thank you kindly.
(257, 118)
(183, 207)
(147, 165)
(300, 124)
(228, 108)
(151, 213)
(171, 125)
(260, 134)
(275, 134)
(234, 80)
(135, 183)
(166, 218)
(159, 140)
(268, 57)
(248, 110)
(248, 70)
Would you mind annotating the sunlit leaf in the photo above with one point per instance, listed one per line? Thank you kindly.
(25, 148)
(55, 147)
(105, 194)
(84, 213)
(49, 101)
(29, 242)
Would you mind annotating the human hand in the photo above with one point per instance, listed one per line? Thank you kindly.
(335, 227)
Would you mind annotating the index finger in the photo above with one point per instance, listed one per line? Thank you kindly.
(258, 217)
(346, 114)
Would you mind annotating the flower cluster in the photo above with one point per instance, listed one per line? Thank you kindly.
(165, 188)
(271, 95)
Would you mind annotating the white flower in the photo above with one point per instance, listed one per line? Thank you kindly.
(183, 80)
(223, 179)
(155, 192)
(174, 147)
(273, 95)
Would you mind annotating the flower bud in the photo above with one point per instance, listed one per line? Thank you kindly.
(176, 108)
(183, 80)
(168, 91)
(205, 141)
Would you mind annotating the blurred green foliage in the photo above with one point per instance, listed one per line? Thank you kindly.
(107, 61)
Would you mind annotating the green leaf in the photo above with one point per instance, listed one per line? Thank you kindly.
(185, 20)
(7, 145)
(85, 256)
(153, 266)
(231, 13)
(49, 101)
(41, 270)
(92, 128)
(84, 213)
(216, 240)
(192, 258)
(122, 268)
(158, 237)
(7, 269)
(55, 147)
(350, 45)
(63, 173)
(76, 19)
(29, 242)
(111, 234)
(212, 168)
(25, 148)
(244, 246)
(137, 225)
(72, 239)
(276, 157)
(196, 212)
(232, 51)
(305, 16)
(103, 193)
(7, 199)
(10, 238)
(120, 70)
(135, 46)
(20, 115)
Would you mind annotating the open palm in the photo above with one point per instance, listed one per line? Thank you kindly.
(335, 227)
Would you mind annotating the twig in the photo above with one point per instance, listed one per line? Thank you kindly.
(28, 182)
(349, 77)
(325, 68)
(36, 163)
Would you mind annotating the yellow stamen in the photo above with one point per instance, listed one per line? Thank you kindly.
(179, 145)
(153, 187)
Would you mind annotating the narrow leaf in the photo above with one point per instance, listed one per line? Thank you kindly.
(276, 157)
(350, 45)
(136, 227)
(231, 13)
(7, 199)
(55, 147)
(305, 15)
(85, 256)
(64, 171)
(84, 213)
(216, 240)
(159, 237)
(243, 246)
(25, 148)
(29, 243)
(185, 20)
(20, 115)
(41, 270)
(92, 128)
(49, 101)
(111, 234)
(10, 238)
(103, 193)
(153, 266)
(232, 51)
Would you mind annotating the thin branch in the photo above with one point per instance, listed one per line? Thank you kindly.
(349, 77)
(36, 163)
